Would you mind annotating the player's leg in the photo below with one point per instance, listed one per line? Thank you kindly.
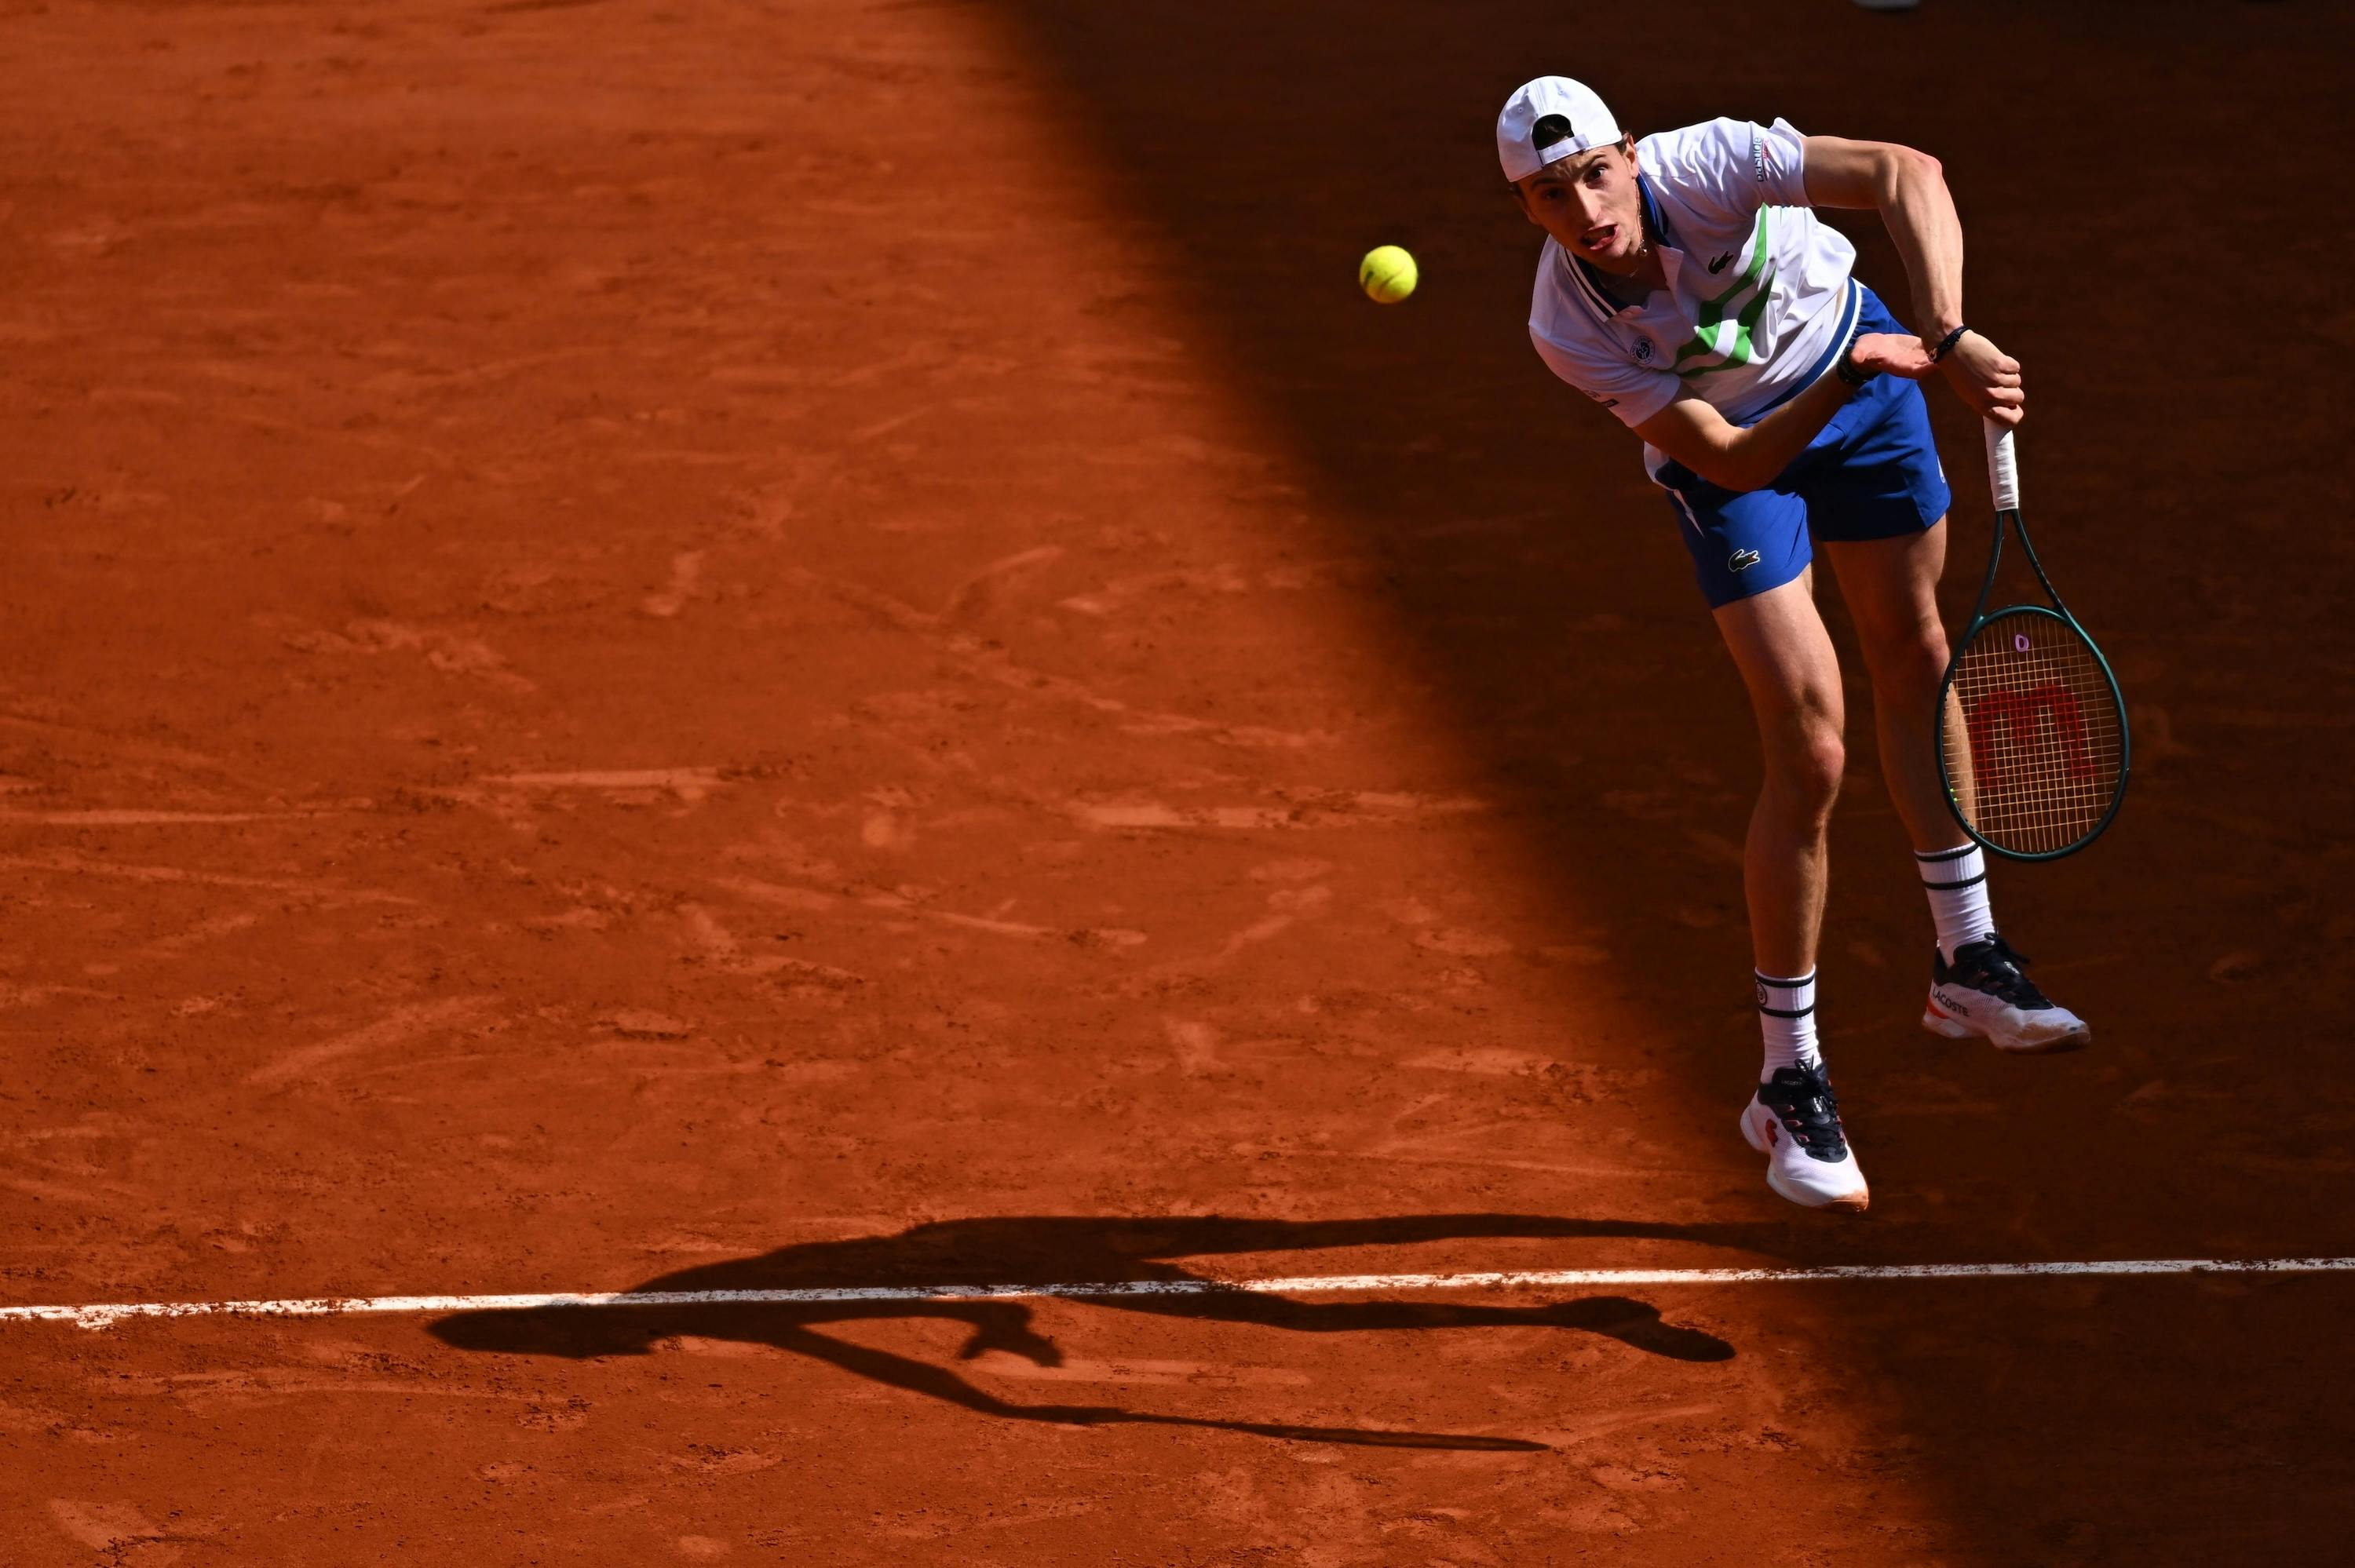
(1786, 657)
(1792, 673)
(1891, 588)
(1977, 986)
(1879, 513)
(1751, 558)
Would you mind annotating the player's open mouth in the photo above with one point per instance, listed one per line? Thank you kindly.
(1599, 239)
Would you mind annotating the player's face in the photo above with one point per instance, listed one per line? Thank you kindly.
(1590, 202)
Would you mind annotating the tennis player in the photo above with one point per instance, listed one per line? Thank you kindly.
(1687, 286)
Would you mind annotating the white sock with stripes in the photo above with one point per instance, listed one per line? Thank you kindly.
(1786, 1017)
(1956, 880)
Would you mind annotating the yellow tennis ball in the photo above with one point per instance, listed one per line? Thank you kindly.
(1387, 274)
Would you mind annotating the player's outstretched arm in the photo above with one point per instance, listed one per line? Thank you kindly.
(1909, 190)
(1739, 457)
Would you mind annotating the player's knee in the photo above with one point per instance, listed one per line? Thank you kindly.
(1805, 768)
(1929, 653)
(1825, 759)
(1912, 663)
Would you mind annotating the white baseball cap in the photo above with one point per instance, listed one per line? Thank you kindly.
(1550, 118)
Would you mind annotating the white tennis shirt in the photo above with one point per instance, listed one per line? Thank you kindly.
(1758, 293)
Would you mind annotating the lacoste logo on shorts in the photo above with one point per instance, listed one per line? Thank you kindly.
(1718, 265)
(1742, 561)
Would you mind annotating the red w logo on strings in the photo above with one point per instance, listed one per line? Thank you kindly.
(2010, 715)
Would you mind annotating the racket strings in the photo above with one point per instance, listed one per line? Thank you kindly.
(2034, 741)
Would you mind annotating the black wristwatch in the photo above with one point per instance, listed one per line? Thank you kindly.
(1848, 369)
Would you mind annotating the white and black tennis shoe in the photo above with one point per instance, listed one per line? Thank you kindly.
(1794, 1120)
(1986, 991)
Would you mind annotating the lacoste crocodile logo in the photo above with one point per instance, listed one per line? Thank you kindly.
(1718, 265)
(1742, 560)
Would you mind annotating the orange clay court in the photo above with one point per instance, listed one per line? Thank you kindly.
(821, 648)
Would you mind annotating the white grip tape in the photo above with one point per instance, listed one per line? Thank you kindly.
(2003, 468)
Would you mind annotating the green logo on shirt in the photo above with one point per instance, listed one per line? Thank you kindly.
(1727, 336)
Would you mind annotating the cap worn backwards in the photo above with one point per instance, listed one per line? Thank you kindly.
(1548, 119)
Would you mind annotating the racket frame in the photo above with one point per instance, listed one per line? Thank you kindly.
(2003, 478)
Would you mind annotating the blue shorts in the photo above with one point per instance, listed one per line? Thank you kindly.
(1873, 473)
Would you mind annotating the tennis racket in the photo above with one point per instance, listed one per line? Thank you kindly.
(2034, 750)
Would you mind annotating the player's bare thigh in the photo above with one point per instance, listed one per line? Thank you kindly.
(1786, 656)
(1892, 589)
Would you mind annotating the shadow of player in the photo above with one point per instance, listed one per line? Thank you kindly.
(1063, 1250)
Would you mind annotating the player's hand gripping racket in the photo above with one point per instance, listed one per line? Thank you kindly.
(2034, 751)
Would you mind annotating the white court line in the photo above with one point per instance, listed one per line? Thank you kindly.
(107, 1314)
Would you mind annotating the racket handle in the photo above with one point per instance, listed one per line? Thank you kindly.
(2003, 467)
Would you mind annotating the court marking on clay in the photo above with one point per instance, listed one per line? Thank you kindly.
(106, 1315)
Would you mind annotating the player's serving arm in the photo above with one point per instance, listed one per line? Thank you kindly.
(1910, 191)
(1686, 287)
